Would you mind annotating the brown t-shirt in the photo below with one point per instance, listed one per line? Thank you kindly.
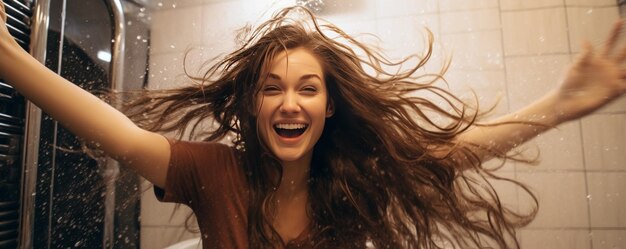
(208, 178)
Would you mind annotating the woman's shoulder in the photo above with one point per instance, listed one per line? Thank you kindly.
(201, 150)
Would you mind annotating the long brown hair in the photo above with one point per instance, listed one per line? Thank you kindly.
(383, 172)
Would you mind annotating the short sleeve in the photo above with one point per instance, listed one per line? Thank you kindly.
(192, 170)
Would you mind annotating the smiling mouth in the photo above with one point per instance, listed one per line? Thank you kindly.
(290, 130)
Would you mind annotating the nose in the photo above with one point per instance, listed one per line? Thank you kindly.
(290, 103)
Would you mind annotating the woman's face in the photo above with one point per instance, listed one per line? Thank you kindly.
(292, 105)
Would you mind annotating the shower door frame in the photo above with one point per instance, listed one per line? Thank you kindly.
(33, 116)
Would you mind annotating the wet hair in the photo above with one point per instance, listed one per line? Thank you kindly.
(388, 169)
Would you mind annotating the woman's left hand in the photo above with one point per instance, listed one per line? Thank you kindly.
(593, 80)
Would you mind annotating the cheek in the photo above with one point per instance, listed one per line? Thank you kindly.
(264, 111)
(318, 107)
(264, 108)
(258, 104)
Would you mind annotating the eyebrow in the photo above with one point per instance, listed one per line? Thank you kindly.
(303, 77)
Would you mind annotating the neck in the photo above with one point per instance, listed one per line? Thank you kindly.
(295, 178)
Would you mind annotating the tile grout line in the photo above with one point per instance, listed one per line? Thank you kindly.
(558, 6)
(580, 129)
(517, 236)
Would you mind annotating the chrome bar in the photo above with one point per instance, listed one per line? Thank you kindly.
(39, 39)
(112, 169)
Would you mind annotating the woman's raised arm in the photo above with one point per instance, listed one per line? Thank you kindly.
(596, 78)
(81, 112)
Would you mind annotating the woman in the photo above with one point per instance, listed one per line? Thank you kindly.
(325, 155)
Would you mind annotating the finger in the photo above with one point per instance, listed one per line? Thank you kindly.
(586, 53)
(610, 43)
(622, 56)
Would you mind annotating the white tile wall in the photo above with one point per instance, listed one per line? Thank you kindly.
(158, 5)
(537, 31)
(590, 2)
(405, 35)
(559, 149)
(220, 23)
(609, 239)
(488, 87)
(507, 191)
(360, 28)
(166, 71)
(530, 77)
(528, 4)
(259, 11)
(608, 199)
(175, 30)
(405, 7)
(556, 209)
(603, 137)
(470, 20)
(362, 32)
(455, 5)
(171, 70)
(618, 105)
(161, 237)
(508, 167)
(591, 24)
(459, 80)
(163, 214)
(480, 50)
(555, 239)
(350, 10)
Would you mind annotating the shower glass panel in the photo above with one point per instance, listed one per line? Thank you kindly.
(71, 191)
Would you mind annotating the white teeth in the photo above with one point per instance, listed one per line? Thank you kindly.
(290, 126)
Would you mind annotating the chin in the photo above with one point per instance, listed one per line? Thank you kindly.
(297, 154)
(286, 155)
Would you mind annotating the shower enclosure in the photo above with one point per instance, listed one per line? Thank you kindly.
(51, 194)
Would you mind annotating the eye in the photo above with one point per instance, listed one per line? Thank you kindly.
(271, 89)
(309, 89)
